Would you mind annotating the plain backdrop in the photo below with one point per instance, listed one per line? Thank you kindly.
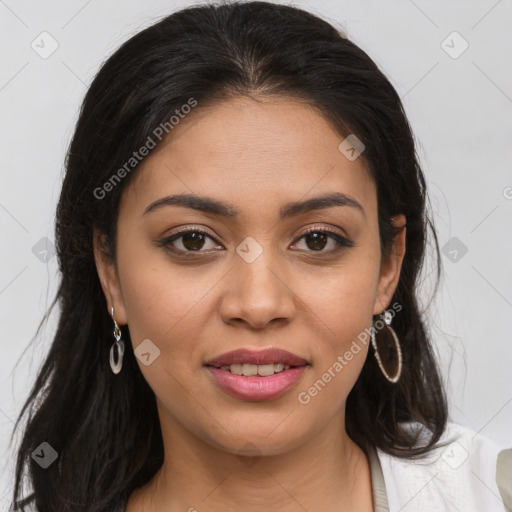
(450, 63)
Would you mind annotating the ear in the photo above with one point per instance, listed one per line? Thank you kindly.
(109, 279)
(390, 268)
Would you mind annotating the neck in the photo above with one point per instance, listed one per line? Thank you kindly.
(328, 472)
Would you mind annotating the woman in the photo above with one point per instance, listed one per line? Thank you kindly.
(240, 232)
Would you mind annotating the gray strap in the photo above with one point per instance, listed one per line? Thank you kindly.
(380, 495)
(504, 477)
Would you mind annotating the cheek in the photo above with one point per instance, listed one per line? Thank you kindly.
(163, 301)
(342, 301)
(341, 308)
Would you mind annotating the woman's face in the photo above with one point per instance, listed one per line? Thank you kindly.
(254, 281)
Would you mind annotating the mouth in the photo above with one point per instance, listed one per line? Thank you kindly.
(257, 375)
(248, 358)
(251, 370)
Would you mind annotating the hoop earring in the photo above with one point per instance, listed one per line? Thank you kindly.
(394, 379)
(119, 345)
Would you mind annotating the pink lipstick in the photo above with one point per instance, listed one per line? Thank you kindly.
(257, 375)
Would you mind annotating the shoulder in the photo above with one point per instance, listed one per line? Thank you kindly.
(458, 475)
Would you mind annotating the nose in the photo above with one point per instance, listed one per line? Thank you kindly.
(257, 293)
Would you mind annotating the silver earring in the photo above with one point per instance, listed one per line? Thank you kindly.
(119, 345)
(387, 318)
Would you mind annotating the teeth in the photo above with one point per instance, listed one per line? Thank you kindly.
(250, 370)
(264, 370)
(235, 368)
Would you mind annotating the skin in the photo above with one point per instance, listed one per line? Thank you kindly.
(257, 156)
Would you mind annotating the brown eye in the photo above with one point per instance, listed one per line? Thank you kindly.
(317, 239)
(188, 242)
(192, 240)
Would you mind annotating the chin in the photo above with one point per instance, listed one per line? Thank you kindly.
(259, 438)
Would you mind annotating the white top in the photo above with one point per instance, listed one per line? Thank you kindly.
(458, 477)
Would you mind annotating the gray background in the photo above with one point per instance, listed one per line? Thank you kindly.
(459, 107)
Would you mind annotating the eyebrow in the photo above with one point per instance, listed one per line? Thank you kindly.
(215, 207)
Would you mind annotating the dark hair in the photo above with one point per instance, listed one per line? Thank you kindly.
(106, 429)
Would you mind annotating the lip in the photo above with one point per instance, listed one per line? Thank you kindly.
(250, 356)
(256, 387)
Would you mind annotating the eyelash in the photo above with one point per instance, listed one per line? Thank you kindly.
(342, 241)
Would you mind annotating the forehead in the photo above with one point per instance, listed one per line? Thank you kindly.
(253, 154)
